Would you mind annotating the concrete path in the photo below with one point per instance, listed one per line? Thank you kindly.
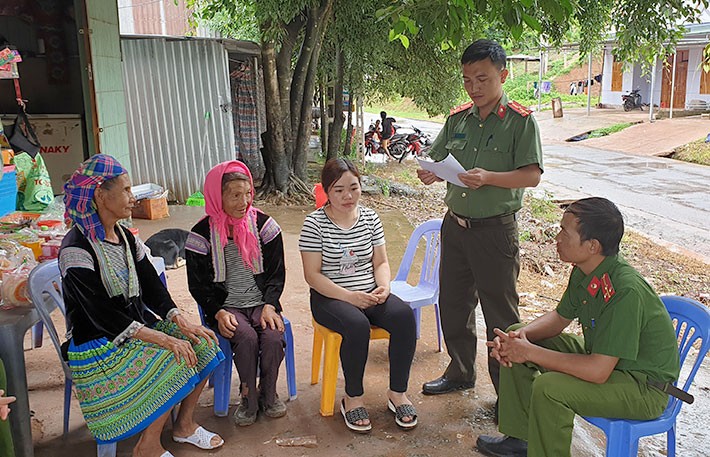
(665, 199)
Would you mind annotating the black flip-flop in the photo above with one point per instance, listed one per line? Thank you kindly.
(402, 411)
(354, 415)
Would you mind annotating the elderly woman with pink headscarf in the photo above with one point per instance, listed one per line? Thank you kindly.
(236, 273)
(129, 367)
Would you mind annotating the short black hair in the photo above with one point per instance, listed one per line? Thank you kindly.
(484, 49)
(599, 219)
(383, 114)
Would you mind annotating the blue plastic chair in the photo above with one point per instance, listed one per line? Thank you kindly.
(45, 288)
(692, 322)
(221, 379)
(426, 292)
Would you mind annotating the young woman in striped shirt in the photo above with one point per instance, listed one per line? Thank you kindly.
(345, 262)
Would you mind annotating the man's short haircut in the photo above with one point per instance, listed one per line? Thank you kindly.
(599, 219)
(383, 114)
(484, 49)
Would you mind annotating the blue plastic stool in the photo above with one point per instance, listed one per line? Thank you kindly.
(221, 378)
(692, 327)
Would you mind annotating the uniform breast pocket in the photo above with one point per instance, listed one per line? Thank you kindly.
(457, 144)
(496, 157)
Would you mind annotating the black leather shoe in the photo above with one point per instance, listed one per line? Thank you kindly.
(502, 446)
(442, 386)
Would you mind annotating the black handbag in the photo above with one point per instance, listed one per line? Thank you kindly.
(23, 137)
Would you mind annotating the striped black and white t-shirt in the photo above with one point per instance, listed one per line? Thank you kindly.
(242, 291)
(346, 253)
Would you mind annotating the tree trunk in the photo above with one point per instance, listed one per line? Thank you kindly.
(300, 73)
(323, 102)
(283, 70)
(349, 129)
(305, 101)
(336, 130)
(274, 150)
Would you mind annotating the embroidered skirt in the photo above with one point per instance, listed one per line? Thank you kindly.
(122, 390)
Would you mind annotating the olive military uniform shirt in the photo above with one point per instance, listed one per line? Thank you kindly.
(621, 316)
(505, 141)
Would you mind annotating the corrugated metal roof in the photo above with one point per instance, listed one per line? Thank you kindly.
(178, 105)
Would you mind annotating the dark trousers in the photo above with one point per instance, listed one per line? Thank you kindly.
(256, 351)
(477, 264)
(353, 324)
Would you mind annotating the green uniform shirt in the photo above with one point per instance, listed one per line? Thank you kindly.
(621, 316)
(504, 141)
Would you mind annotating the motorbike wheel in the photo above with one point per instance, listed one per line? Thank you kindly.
(628, 105)
(398, 151)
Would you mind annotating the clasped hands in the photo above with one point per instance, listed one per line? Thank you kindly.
(509, 348)
(364, 300)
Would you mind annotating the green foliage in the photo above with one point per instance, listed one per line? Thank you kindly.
(543, 208)
(598, 133)
(644, 29)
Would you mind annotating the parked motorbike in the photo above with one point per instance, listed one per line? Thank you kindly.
(632, 100)
(413, 142)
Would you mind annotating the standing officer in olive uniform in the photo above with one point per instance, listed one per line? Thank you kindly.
(622, 366)
(498, 142)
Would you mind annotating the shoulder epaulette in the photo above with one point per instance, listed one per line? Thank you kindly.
(518, 108)
(460, 108)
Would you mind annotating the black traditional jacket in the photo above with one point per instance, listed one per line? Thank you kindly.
(210, 295)
(91, 313)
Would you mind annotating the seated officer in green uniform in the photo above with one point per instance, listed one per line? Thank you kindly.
(498, 142)
(629, 345)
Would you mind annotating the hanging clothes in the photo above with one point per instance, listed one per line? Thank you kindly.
(246, 123)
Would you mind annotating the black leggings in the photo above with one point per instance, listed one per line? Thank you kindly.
(353, 324)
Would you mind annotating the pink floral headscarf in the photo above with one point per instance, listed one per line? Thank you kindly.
(244, 230)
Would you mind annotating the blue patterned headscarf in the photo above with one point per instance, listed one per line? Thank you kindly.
(79, 193)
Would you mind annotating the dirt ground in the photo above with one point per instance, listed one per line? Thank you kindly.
(448, 425)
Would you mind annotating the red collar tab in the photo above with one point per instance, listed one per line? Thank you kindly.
(607, 288)
(501, 111)
(518, 108)
(594, 285)
(460, 108)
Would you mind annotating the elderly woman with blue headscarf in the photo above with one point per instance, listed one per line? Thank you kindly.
(130, 368)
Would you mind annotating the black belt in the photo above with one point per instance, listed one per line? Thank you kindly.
(670, 389)
(469, 222)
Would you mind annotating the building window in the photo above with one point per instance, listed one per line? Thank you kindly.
(617, 75)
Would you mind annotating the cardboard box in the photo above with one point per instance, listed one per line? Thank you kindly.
(151, 208)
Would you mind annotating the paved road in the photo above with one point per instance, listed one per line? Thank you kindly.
(665, 199)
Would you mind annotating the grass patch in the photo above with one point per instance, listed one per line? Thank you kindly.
(695, 152)
(543, 208)
(598, 133)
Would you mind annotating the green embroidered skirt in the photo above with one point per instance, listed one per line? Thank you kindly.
(123, 389)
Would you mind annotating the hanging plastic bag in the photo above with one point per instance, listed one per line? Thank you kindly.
(34, 187)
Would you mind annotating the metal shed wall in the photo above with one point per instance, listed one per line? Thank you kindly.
(179, 113)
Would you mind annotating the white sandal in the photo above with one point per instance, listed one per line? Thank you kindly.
(201, 438)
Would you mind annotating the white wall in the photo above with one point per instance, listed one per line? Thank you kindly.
(634, 79)
(695, 72)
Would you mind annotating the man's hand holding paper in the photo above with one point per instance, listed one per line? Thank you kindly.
(448, 169)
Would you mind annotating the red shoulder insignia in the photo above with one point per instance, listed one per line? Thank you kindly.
(460, 108)
(607, 287)
(518, 108)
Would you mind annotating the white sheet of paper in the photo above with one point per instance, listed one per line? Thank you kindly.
(447, 169)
